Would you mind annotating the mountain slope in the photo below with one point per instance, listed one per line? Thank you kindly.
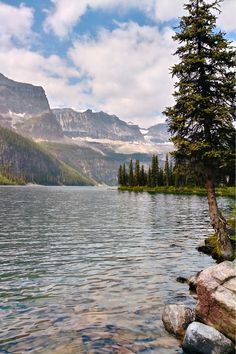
(158, 134)
(96, 125)
(23, 160)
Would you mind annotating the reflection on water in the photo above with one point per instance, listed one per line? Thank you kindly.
(86, 270)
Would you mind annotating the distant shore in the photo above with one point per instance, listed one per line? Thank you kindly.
(220, 191)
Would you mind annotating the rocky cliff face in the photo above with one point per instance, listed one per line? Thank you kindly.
(96, 125)
(24, 108)
(22, 99)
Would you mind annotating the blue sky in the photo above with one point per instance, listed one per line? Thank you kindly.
(110, 55)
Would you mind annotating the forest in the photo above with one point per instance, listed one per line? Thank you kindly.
(171, 174)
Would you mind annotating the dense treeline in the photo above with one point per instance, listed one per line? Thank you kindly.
(23, 161)
(171, 174)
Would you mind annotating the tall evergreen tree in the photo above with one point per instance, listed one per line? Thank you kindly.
(137, 173)
(154, 169)
(143, 177)
(167, 171)
(149, 177)
(201, 120)
(131, 174)
(120, 176)
(124, 176)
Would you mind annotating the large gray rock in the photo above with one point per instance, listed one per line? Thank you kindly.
(176, 319)
(203, 339)
(216, 291)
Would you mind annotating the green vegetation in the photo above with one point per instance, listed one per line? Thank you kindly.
(220, 191)
(24, 161)
(165, 180)
(5, 181)
(201, 120)
(155, 176)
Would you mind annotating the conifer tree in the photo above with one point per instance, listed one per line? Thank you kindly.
(120, 176)
(143, 178)
(167, 171)
(137, 173)
(201, 120)
(124, 176)
(154, 169)
(149, 177)
(131, 174)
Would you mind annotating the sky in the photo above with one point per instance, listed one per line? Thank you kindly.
(109, 55)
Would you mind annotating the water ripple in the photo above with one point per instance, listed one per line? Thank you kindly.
(86, 270)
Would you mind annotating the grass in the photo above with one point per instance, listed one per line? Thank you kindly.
(188, 190)
(10, 181)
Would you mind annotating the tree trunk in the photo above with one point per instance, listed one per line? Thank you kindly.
(218, 222)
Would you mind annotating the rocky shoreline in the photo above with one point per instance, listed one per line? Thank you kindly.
(210, 328)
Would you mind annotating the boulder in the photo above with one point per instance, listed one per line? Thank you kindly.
(203, 339)
(176, 319)
(216, 291)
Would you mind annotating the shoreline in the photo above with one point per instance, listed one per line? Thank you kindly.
(201, 191)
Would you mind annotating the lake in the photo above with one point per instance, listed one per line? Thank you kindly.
(88, 270)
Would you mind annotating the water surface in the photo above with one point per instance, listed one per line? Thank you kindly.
(88, 270)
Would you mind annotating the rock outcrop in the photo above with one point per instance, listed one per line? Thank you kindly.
(21, 98)
(176, 319)
(216, 291)
(203, 339)
(24, 108)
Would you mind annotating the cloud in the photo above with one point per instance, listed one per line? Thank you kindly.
(15, 24)
(51, 72)
(226, 20)
(128, 70)
(65, 14)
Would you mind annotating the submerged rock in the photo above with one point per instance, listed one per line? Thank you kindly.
(216, 291)
(176, 319)
(203, 339)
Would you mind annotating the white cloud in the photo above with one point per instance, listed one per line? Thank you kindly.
(65, 14)
(168, 10)
(128, 70)
(227, 21)
(52, 73)
(15, 24)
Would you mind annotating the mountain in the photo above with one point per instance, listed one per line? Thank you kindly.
(158, 134)
(24, 160)
(94, 143)
(25, 109)
(96, 125)
(21, 98)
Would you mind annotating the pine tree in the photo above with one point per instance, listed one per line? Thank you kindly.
(149, 177)
(120, 176)
(142, 176)
(201, 120)
(167, 172)
(154, 169)
(131, 174)
(124, 176)
(137, 173)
